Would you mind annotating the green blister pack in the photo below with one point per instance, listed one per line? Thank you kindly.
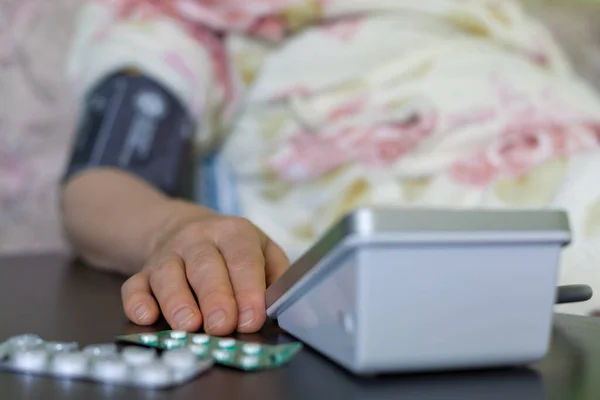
(246, 356)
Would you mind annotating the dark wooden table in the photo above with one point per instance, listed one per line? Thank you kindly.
(58, 300)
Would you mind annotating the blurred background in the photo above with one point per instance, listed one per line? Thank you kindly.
(37, 113)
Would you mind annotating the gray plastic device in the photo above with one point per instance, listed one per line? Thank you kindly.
(389, 291)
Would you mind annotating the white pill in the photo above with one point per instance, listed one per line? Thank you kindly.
(148, 338)
(101, 350)
(180, 358)
(178, 335)
(226, 343)
(172, 343)
(221, 355)
(200, 339)
(110, 370)
(3, 350)
(198, 349)
(138, 355)
(57, 347)
(69, 364)
(30, 360)
(250, 361)
(153, 374)
(26, 341)
(252, 348)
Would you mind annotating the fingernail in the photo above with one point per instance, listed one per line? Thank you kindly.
(183, 316)
(216, 319)
(246, 317)
(140, 312)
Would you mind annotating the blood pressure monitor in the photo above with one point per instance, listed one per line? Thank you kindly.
(388, 291)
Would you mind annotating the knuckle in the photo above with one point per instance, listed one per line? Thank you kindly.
(192, 231)
(166, 265)
(129, 284)
(214, 296)
(188, 235)
(244, 261)
(235, 225)
(161, 269)
(249, 297)
(200, 261)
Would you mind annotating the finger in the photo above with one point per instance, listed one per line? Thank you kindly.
(138, 302)
(208, 276)
(170, 287)
(242, 251)
(277, 262)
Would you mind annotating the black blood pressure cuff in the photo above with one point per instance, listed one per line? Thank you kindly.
(132, 123)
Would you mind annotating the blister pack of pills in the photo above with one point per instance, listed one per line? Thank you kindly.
(229, 352)
(105, 363)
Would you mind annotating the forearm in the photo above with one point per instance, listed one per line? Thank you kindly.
(111, 218)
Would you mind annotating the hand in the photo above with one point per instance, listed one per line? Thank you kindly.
(209, 270)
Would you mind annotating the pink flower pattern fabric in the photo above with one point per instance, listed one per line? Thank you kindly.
(36, 121)
(307, 156)
(13, 173)
(537, 133)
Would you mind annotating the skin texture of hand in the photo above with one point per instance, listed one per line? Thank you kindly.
(211, 272)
